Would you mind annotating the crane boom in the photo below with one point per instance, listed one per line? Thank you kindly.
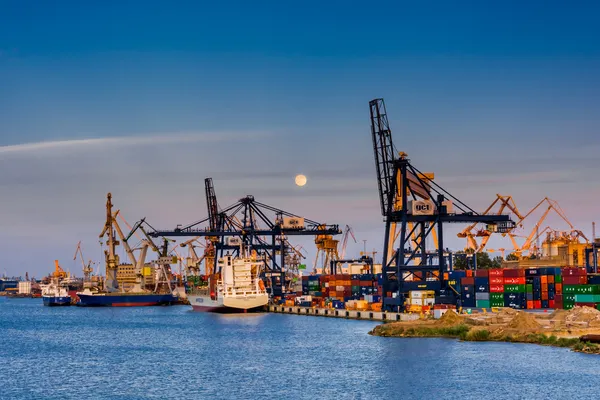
(122, 237)
(384, 154)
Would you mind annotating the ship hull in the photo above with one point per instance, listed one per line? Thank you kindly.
(56, 301)
(228, 306)
(125, 300)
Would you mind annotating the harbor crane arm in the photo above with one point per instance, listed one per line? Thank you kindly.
(122, 237)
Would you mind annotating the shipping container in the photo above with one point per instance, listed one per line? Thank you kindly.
(482, 304)
(482, 296)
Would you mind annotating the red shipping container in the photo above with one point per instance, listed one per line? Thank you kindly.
(544, 279)
(496, 288)
(469, 273)
(573, 271)
(467, 281)
(514, 281)
(545, 295)
(496, 272)
(529, 304)
(537, 304)
(496, 280)
(544, 287)
(366, 283)
(355, 282)
(574, 280)
(514, 273)
(550, 278)
(551, 303)
(482, 273)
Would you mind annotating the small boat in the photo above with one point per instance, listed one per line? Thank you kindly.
(237, 288)
(55, 294)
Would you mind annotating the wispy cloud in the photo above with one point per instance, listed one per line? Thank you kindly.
(137, 140)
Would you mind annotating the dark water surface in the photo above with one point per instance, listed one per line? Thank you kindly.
(171, 352)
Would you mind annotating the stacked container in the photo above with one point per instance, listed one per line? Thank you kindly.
(514, 288)
(482, 289)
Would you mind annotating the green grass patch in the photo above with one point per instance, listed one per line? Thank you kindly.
(478, 335)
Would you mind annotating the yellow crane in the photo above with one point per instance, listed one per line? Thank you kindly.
(504, 202)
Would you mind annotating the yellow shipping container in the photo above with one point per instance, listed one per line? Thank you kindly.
(147, 271)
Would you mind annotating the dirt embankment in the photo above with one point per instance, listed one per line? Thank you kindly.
(560, 328)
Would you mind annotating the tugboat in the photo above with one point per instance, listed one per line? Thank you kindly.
(55, 294)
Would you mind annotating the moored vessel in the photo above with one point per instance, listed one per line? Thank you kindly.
(236, 288)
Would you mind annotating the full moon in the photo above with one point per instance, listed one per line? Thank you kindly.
(300, 180)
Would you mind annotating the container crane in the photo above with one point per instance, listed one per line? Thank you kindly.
(237, 226)
(407, 196)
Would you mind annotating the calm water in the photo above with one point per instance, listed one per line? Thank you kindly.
(170, 352)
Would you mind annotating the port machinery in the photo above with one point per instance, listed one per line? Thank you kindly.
(257, 226)
(414, 204)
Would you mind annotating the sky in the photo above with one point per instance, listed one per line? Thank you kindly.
(146, 99)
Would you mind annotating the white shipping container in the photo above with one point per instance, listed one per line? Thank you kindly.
(24, 287)
(416, 302)
(429, 302)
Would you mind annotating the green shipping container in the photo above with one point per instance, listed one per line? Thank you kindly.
(483, 303)
(497, 303)
(497, 297)
(568, 306)
(557, 278)
(569, 298)
(587, 298)
(581, 289)
(514, 288)
(529, 288)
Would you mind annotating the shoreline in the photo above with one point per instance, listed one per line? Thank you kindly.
(521, 327)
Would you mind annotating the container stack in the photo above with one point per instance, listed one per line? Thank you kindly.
(574, 282)
(482, 289)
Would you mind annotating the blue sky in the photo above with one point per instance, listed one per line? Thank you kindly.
(146, 99)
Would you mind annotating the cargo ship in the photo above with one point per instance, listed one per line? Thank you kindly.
(111, 295)
(237, 288)
(127, 299)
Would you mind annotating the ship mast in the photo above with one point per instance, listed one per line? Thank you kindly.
(110, 257)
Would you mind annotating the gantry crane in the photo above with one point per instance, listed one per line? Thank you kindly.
(239, 224)
(422, 203)
(327, 250)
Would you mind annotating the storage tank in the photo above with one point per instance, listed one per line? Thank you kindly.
(24, 287)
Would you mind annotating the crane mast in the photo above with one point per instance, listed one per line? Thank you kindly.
(111, 259)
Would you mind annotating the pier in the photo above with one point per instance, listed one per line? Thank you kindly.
(346, 314)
